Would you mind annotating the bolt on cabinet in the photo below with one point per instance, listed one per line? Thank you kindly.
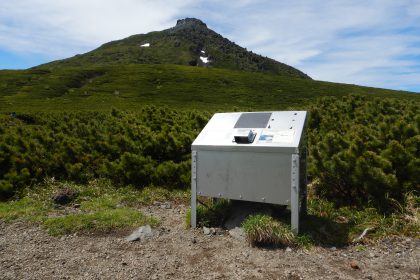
(252, 156)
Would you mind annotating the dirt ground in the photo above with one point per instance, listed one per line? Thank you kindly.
(28, 252)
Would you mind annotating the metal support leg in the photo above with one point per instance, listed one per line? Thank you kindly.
(194, 189)
(304, 185)
(294, 199)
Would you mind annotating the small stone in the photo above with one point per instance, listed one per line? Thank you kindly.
(396, 265)
(142, 233)
(333, 248)
(369, 277)
(193, 240)
(237, 233)
(288, 249)
(354, 264)
(206, 231)
(124, 263)
(166, 205)
(219, 231)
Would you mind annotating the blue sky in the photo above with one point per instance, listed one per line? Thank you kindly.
(373, 43)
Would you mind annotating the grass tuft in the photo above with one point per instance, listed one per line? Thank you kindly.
(102, 221)
(327, 224)
(26, 208)
(101, 207)
(150, 194)
(264, 229)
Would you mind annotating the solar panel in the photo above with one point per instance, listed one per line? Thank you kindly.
(253, 120)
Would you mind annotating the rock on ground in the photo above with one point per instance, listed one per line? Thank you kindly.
(142, 233)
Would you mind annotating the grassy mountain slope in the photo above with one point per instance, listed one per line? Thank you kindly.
(124, 74)
(129, 86)
(183, 44)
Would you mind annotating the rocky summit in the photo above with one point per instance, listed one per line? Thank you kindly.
(190, 21)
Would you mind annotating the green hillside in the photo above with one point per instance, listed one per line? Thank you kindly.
(183, 44)
(169, 71)
(129, 86)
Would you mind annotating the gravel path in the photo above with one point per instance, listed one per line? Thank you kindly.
(28, 252)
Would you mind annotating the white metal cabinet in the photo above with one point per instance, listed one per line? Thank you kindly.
(252, 156)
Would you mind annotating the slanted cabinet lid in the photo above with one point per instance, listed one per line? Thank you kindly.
(278, 131)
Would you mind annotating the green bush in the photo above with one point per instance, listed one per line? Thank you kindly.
(365, 151)
(151, 146)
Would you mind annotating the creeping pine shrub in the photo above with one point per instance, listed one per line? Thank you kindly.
(365, 151)
(6, 189)
(362, 151)
(150, 146)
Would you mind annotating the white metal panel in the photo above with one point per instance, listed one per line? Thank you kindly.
(285, 129)
(263, 177)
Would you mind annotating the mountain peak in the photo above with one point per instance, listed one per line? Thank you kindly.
(190, 21)
(189, 42)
